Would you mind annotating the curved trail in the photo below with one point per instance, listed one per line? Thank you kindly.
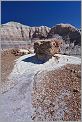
(16, 102)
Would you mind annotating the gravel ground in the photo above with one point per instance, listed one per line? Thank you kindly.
(56, 94)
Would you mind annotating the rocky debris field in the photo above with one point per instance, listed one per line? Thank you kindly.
(56, 94)
(21, 99)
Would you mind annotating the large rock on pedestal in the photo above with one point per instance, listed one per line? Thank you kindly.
(45, 49)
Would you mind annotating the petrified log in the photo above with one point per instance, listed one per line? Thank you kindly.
(45, 49)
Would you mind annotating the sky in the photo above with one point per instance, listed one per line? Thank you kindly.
(38, 13)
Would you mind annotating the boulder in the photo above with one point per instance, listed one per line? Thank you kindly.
(45, 49)
(19, 52)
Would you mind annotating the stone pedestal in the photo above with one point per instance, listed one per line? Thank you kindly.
(45, 49)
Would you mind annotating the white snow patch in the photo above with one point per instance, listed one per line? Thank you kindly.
(15, 104)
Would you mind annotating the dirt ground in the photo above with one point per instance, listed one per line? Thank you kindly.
(7, 64)
(56, 94)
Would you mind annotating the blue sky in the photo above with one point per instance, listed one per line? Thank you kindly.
(41, 13)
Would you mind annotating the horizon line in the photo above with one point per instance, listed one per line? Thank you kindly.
(38, 25)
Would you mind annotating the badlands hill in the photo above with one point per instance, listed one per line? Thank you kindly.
(16, 31)
(14, 34)
(66, 31)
